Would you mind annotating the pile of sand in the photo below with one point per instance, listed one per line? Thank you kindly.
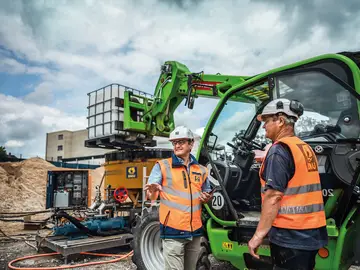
(23, 185)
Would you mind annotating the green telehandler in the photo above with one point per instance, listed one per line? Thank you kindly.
(233, 145)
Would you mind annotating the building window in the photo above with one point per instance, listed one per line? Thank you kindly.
(60, 137)
(59, 158)
(60, 147)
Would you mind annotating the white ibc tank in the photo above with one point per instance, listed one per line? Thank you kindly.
(105, 111)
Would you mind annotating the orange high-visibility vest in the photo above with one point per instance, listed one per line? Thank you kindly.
(302, 206)
(180, 206)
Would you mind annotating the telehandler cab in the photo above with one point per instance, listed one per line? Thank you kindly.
(233, 144)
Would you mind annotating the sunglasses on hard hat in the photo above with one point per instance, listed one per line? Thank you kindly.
(295, 106)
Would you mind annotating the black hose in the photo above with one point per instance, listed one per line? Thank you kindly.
(11, 220)
(18, 214)
(85, 229)
(24, 213)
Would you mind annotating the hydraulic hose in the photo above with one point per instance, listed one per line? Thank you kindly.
(120, 257)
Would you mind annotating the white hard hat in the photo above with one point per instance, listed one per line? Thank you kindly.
(291, 108)
(181, 132)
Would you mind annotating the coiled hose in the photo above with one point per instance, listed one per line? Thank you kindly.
(119, 258)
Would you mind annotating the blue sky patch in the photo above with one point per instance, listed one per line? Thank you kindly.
(18, 85)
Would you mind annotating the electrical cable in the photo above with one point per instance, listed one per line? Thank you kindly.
(12, 238)
(42, 240)
(9, 237)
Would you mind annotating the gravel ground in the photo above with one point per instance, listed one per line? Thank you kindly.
(12, 250)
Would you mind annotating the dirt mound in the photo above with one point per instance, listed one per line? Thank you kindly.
(23, 185)
(36, 163)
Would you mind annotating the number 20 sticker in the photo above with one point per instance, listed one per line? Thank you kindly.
(218, 201)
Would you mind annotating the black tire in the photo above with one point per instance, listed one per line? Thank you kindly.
(203, 261)
(147, 229)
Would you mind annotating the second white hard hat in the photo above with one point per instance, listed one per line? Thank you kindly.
(291, 108)
(181, 132)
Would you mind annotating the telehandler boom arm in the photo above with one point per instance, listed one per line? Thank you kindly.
(175, 84)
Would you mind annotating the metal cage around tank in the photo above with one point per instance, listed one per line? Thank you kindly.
(106, 118)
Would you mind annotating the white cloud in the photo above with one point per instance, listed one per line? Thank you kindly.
(78, 46)
(234, 121)
(42, 94)
(193, 119)
(18, 37)
(200, 131)
(14, 144)
(26, 124)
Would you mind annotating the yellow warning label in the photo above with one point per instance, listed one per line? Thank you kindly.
(227, 245)
(131, 172)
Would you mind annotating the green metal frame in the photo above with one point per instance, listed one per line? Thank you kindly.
(339, 238)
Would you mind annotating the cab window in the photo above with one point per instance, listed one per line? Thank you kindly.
(330, 110)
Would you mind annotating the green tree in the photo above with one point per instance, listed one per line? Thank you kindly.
(2, 153)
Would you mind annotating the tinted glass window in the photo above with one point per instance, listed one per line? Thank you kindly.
(329, 107)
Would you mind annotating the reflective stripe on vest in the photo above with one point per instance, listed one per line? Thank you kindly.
(180, 207)
(302, 206)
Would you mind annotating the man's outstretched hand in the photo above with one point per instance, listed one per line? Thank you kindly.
(152, 187)
(152, 191)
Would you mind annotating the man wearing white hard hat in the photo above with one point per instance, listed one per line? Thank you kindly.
(183, 186)
(292, 212)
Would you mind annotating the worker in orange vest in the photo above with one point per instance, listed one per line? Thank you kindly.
(292, 213)
(183, 186)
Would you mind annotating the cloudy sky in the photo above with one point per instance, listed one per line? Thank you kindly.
(54, 52)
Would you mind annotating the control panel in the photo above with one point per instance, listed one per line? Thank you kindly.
(67, 188)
